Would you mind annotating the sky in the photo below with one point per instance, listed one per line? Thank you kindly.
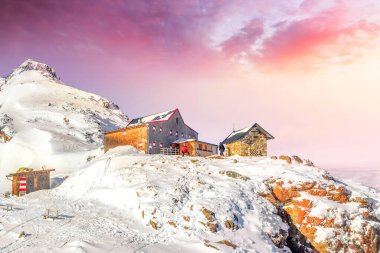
(308, 71)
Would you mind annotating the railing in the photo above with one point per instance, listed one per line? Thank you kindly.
(169, 151)
(204, 150)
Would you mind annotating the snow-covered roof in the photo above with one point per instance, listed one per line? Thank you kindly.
(162, 116)
(182, 140)
(237, 135)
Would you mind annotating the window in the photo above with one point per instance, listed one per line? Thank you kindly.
(171, 132)
(124, 133)
(161, 145)
(182, 135)
(176, 133)
(205, 147)
(154, 128)
(154, 144)
(199, 146)
(176, 120)
(160, 129)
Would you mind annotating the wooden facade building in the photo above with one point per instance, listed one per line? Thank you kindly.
(250, 141)
(35, 180)
(152, 133)
(196, 147)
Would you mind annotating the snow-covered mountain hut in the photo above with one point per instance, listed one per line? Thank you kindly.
(157, 133)
(249, 141)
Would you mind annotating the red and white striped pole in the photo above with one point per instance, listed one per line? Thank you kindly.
(22, 185)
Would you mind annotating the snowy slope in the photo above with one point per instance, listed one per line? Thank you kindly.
(125, 201)
(43, 122)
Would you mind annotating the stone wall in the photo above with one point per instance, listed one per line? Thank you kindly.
(253, 144)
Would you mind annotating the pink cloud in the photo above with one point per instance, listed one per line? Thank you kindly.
(317, 39)
(244, 38)
(305, 42)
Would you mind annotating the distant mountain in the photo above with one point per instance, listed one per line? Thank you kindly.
(41, 117)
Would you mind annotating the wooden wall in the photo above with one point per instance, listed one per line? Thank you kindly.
(38, 180)
(190, 148)
(194, 150)
(136, 137)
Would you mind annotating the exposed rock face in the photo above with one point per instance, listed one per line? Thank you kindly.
(29, 64)
(228, 243)
(209, 215)
(285, 158)
(327, 215)
(4, 137)
(153, 224)
(235, 175)
(6, 127)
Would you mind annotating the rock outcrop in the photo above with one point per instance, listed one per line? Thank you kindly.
(327, 214)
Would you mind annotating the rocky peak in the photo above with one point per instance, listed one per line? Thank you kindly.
(2, 82)
(31, 65)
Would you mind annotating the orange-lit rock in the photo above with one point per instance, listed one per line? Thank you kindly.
(296, 213)
(305, 186)
(317, 192)
(345, 238)
(302, 203)
(269, 197)
(283, 194)
(212, 226)
(285, 158)
(209, 215)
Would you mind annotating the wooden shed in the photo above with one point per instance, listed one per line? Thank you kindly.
(249, 141)
(35, 180)
(196, 147)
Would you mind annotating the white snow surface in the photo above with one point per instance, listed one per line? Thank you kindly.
(50, 123)
(108, 205)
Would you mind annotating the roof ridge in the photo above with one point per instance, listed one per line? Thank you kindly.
(155, 113)
(241, 134)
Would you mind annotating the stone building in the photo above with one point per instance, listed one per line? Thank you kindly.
(156, 133)
(250, 141)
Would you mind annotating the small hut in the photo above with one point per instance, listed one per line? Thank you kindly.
(249, 141)
(27, 180)
(196, 147)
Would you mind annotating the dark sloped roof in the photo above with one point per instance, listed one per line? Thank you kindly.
(237, 135)
(152, 118)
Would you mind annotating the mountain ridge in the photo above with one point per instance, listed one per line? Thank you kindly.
(37, 109)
